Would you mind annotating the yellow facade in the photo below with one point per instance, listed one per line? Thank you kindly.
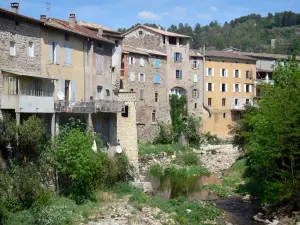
(234, 87)
(72, 71)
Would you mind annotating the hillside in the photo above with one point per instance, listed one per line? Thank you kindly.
(251, 33)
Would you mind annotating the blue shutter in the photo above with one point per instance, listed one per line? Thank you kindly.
(67, 61)
(73, 91)
(50, 51)
(174, 56)
(180, 57)
(157, 79)
(157, 63)
(57, 48)
(180, 74)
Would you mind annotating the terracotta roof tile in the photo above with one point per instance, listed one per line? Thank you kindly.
(97, 26)
(268, 55)
(227, 54)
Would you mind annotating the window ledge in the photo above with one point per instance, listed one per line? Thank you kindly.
(153, 123)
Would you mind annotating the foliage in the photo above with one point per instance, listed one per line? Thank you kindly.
(208, 138)
(191, 130)
(200, 211)
(8, 130)
(188, 158)
(274, 141)
(147, 149)
(165, 135)
(219, 190)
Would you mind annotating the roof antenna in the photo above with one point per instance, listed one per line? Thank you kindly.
(47, 5)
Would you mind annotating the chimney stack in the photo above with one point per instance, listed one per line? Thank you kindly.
(100, 32)
(72, 20)
(14, 7)
(43, 18)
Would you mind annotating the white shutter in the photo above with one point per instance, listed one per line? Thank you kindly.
(207, 72)
(142, 62)
(220, 72)
(240, 89)
(245, 87)
(250, 88)
(139, 78)
(226, 88)
(233, 87)
(213, 72)
(233, 72)
(221, 87)
(240, 74)
(195, 78)
(206, 86)
(132, 77)
(129, 60)
(144, 78)
(213, 87)
(133, 60)
(226, 75)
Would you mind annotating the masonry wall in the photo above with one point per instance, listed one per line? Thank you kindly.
(218, 123)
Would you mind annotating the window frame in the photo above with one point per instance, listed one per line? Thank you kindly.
(223, 102)
(12, 49)
(31, 49)
(209, 101)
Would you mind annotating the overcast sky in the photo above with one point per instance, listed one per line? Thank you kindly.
(124, 13)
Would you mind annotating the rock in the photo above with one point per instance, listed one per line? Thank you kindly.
(298, 223)
(275, 222)
(227, 223)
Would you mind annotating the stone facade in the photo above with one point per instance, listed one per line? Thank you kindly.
(190, 81)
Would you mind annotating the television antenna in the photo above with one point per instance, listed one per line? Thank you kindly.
(47, 5)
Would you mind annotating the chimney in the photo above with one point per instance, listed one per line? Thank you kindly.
(72, 20)
(100, 32)
(43, 18)
(14, 7)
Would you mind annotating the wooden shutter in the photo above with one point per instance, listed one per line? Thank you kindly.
(250, 88)
(157, 79)
(139, 77)
(99, 63)
(233, 72)
(245, 87)
(226, 71)
(240, 89)
(220, 72)
(226, 87)
(50, 52)
(174, 56)
(157, 63)
(180, 74)
(180, 57)
(213, 71)
(213, 87)
(233, 87)
(240, 74)
(206, 86)
(207, 72)
(57, 49)
(221, 87)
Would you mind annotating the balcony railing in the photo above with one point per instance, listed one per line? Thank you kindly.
(89, 107)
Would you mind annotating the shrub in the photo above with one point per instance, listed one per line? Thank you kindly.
(188, 159)
(211, 139)
(20, 218)
(192, 130)
(165, 135)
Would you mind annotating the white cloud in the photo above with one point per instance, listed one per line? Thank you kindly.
(204, 16)
(214, 8)
(147, 15)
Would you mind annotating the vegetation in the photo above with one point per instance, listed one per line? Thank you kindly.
(269, 133)
(147, 149)
(252, 33)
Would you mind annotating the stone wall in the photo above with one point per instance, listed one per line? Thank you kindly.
(146, 104)
(266, 64)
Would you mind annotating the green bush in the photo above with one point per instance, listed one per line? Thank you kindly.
(188, 158)
(165, 135)
(208, 138)
(20, 218)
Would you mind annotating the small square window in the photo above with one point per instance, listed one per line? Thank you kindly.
(210, 71)
(195, 64)
(156, 97)
(126, 111)
(107, 92)
(236, 102)
(140, 33)
(236, 88)
(30, 49)
(236, 73)
(247, 101)
(248, 74)
(131, 60)
(223, 101)
(99, 89)
(209, 86)
(178, 57)
(12, 48)
(153, 116)
(17, 23)
(121, 84)
(131, 90)
(224, 115)
(195, 107)
(223, 87)
(67, 37)
(209, 101)
(99, 45)
(117, 43)
(179, 74)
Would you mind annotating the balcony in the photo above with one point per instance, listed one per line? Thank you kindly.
(238, 103)
(27, 94)
(263, 76)
(89, 107)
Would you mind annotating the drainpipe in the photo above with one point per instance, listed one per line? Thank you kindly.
(203, 84)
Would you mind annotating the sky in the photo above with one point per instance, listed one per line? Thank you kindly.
(125, 13)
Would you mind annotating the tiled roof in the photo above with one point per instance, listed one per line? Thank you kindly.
(5, 11)
(80, 30)
(163, 32)
(227, 54)
(195, 53)
(142, 51)
(97, 26)
(268, 55)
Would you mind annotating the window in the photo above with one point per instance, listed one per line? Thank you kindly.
(10, 85)
(223, 88)
(248, 74)
(209, 101)
(131, 60)
(68, 54)
(126, 111)
(142, 78)
(195, 64)
(195, 93)
(156, 97)
(99, 45)
(153, 116)
(224, 115)
(107, 92)
(210, 87)
(236, 102)
(164, 39)
(177, 57)
(247, 88)
(30, 49)
(141, 94)
(172, 40)
(12, 48)
(67, 90)
(132, 77)
(236, 73)
(236, 88)
(99, 91)
(117, 43)
(223, 73)
(121, 84)
(247, 101)
(140, 33)
(157, 79)
(142, 62)
(157, 63)
(195, 106)
(179, 74)
(223, 101)
(67, 37)
(131, 90)
(54, 52)
(195, 78)
(17, 23)
(210, 72)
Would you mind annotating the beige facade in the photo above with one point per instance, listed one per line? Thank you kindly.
(229, 85)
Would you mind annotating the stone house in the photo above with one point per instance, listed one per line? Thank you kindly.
(170, 60)
(229, 85)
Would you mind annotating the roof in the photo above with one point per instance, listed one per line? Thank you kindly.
(195, 53)
(80, 30)
(227, 55)
(268, 55)
(10, 13)
(142, 51)
(27, 74)
(97, 26)
(159, 31)
(263, 70)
